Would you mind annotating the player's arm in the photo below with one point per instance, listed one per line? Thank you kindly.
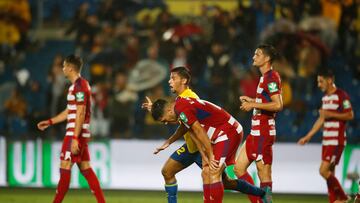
(344, 116)
(42, 125)
(180, 131)
(275, 105)
(79, 119)
(246, 99)
(315, 128)
(203, 143)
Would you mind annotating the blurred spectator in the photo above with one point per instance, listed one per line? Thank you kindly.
(16, 111)
(121, 107)
(100, 124)
(218, 74)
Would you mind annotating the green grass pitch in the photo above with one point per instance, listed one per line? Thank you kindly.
(35, 195)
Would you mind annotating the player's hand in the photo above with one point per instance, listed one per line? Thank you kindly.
(42, 125)
(245, 99)
(246, 106)
(303, 140)
(147, 105)
(162, 147)
(75, 146)
(214, 164)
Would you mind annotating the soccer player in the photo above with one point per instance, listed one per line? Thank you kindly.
(188, 153)
(216, 133)
(335, 111)
(268, 101)
(75, 144)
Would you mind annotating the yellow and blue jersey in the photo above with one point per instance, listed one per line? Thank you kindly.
(189, 142)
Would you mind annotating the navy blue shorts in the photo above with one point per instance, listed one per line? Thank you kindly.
(186, 158)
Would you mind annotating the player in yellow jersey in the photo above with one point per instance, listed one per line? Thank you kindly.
(188, 154)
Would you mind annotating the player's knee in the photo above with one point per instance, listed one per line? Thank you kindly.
(205, 173)
(167, 173)
(239, 171)
(323, 172)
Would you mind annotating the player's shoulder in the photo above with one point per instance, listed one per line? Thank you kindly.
(188, 93)
(342, 93)
(272, 75)
(81, 84)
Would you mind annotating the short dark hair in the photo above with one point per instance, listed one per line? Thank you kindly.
(183, 72)
(326, 73)
(269, 50)
(157, 109)
(75, 60)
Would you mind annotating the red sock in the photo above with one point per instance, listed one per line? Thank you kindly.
(94, 184)
(216, 192)
(335, 186)
(264, 184)
(331, 193)
(63, 185)
(206, 196)
(248, 178)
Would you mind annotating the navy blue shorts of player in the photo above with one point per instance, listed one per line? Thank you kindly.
(186, 158)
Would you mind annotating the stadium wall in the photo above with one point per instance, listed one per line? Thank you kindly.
(120, 164)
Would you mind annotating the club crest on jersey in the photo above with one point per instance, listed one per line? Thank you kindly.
(346, 104)
(273, 87)
(183, 117)
(80, 96)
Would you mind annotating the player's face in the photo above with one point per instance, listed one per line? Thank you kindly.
(66, 69)
(169, 115)
(323, 83)
(176, 83)
(259, 59)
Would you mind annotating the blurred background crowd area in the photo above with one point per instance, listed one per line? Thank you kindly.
(129, 46)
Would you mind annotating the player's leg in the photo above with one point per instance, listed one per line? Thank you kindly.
(88, 173)
(64, 182)
(245, 183)
(91, 178)
(212, 184)
(330, 158)
(179, 160)
(224, 152)
(65, 170)
(264, 165)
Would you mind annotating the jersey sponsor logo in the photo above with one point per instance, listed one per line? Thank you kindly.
(183, 117)
(80, 96)
(273, 87)
(346, 104)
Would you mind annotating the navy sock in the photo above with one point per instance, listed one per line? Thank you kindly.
(249, 189)
(171, 191)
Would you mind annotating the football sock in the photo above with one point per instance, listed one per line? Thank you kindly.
(206, 197)
(245, 184)
(216, 192)
(171, 190)
(335, 186)
(63, 185)
(267, 184)
(94, 184)
(331, 193)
